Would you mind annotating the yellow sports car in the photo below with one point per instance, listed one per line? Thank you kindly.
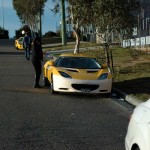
(19, 43)
(77, 73)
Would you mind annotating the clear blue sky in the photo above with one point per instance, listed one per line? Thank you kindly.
(12, 22)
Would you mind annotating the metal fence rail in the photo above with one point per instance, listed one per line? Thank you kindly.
(137, 42)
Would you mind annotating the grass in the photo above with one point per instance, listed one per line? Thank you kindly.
(132, 72)
(131, 68)
(70, 46)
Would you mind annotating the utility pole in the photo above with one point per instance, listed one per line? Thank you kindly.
(40, 24)
(3, 14)
(63, 23)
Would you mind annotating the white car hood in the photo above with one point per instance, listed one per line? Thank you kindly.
(146, 104)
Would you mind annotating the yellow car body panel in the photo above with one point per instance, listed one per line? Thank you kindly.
(19, 43)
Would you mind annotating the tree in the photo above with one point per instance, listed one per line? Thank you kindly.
(79, 14)
(107, 15)
(114, 16)
(28, 10)
(4, 34)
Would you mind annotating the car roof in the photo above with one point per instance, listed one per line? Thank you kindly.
(75, 55)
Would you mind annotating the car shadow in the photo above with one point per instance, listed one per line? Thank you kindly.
(87, 96)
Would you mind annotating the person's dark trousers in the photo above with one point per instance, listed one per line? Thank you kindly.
(38, 67)
(27, 52)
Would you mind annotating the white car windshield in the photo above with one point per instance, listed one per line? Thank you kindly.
(77, 62)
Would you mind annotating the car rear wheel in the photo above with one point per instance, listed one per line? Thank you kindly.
(137, 148)
(52, 87)
(45, 82)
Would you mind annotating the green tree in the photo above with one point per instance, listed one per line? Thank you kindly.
(79, 14)
(107, 15)
(114, 16)
(4, 34)
(1, 29)
(28, 10)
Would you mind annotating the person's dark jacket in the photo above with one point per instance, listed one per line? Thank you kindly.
(37, 54)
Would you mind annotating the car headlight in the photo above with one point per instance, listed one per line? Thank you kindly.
(103, 76)
(65, 74)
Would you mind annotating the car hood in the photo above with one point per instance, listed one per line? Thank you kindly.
(83, 74)
(146, 104)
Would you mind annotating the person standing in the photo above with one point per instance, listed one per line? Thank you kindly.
(27, 45)
(37, 58)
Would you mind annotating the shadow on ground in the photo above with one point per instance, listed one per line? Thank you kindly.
(134, 86)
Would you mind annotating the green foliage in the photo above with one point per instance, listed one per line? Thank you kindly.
(27, 10)
(115, 15)
(49, 34)
(4, 34)
(1, 29)
(108, 16)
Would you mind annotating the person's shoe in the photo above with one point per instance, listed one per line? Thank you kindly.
(28, 59)
(37, 86)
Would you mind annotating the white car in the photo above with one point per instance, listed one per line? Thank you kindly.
(138, 133)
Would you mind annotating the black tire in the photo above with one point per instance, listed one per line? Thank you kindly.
(52, 87)
(137, 148)
(45, 82)
(108, 95)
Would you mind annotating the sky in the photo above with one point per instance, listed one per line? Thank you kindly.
(11, 21)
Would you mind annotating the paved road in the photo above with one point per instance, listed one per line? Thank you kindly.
(33, 119)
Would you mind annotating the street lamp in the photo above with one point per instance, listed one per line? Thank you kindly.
(40, 24)
(3, 16)
(63, 23)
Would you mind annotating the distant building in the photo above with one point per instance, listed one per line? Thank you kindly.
(141, 33)
(143, 16)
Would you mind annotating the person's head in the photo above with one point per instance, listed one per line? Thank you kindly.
(26, 33)
(37, 40)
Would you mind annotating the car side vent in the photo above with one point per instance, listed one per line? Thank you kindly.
(71, 70)
(90, 71)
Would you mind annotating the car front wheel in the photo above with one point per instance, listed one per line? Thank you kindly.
(45, 82)
(137, 148)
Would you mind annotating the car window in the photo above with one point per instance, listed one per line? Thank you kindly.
(77, 62)
(20, 40)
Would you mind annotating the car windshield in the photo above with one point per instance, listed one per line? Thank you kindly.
(20, 40)
(77, 62)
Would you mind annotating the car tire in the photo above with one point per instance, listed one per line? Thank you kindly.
(137, 148)
(45, 82)
(52, 87)
(108, 95)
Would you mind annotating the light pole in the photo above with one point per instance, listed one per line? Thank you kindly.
(63, 23)
(3, 15)
(40, 24)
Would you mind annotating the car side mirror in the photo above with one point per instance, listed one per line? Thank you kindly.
(51, 63)
(104, 66)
